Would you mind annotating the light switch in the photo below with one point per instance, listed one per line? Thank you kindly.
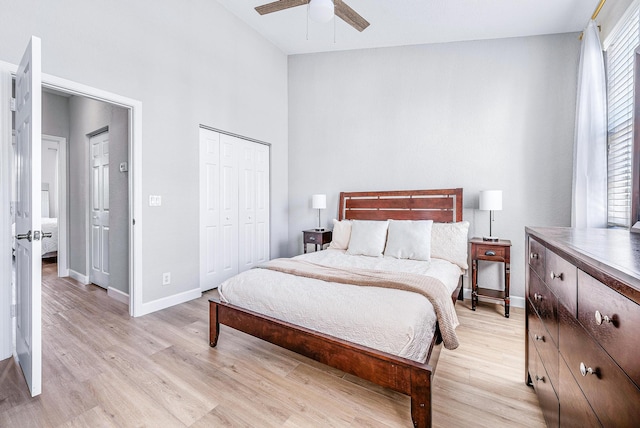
(155, 200)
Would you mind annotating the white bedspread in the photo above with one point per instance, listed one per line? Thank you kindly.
(50, 244)
(394, 321)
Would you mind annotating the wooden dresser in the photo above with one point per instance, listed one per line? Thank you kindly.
(583, 325)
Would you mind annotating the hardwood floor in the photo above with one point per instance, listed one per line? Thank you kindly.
(102, 368)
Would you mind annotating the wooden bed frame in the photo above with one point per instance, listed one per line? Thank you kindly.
(384, 369)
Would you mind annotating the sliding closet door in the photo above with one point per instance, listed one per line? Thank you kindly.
(254, 204)
(210, 243)
(234, 206)
(229, 205)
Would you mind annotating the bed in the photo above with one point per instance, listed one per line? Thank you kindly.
(406, 368)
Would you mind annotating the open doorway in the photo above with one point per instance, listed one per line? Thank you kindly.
(95, 247)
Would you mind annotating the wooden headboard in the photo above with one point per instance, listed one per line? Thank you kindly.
(440, 205)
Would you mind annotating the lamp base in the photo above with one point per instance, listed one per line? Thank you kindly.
(490, 238)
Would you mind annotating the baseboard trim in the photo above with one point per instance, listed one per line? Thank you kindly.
(169, 301)
(516, 301)
(118, 295)
(83, 279)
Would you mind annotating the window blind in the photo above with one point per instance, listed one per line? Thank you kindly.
(620, 57)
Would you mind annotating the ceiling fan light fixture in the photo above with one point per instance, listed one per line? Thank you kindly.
(321, 10)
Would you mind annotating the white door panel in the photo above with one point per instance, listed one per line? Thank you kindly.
(28, 221)
(99, 215)
(210, 244)
(229, 206)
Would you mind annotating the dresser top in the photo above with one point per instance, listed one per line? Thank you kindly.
(614, 252)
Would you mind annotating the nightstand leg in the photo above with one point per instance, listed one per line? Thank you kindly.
(507, 299)
(474, 284)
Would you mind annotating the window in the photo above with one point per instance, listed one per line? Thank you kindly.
(620, 60)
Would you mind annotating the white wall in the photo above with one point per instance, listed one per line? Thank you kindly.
(495, 114)
(189, 64)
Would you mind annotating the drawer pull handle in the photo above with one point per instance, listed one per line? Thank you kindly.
(537, 297)
(536, 337)
(534, 256)
(559, 276)
(312, 238)
(584, 370)
(539, 378)
(602, 318)
(489, 253)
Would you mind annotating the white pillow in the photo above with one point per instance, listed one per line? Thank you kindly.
(367, 238)
(409, 239)
(449, 241)
(341, 234)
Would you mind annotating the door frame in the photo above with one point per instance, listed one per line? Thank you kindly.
(134, 107)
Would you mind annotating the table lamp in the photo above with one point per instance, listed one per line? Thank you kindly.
(490, 200)
(319, 202)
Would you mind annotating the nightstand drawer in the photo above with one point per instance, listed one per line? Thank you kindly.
(316, 237)
(490, 252)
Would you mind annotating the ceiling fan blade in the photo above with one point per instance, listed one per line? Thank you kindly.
(277, 6)
(350, 16)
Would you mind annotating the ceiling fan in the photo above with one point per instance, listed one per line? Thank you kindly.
(341, 9)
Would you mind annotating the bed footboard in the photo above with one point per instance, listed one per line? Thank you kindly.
(399, 374)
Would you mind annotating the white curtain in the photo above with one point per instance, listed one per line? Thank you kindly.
(589, 201)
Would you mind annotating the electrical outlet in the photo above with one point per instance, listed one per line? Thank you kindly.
(166, 278)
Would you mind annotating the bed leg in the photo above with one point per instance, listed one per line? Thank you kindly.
(421, 398)
(214, 325)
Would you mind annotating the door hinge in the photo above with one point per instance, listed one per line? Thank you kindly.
(13, 104)
(13, 310)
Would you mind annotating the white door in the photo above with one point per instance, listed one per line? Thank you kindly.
(99, 213)
(28, 234)
(253, 204)
(229, 206)
(247, 205)
(262, 203)
(210, 244)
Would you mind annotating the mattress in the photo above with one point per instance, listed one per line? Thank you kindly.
(50, 225)
(398, 322)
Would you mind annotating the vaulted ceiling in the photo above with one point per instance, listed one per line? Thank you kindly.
(407, 22)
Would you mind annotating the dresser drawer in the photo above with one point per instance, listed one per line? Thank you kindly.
(546, 395)
(544, 345)
(575, 411)
(536, 256)
(562, 278)
(615, 327)
(612, 395)
(545, 304)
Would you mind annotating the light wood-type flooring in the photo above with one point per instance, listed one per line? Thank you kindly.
(102, 368)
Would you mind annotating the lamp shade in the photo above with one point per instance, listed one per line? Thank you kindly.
(319, 202)
(321, 10)
(491, 200)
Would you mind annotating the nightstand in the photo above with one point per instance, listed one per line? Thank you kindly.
(490, 251)
(316, 237)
